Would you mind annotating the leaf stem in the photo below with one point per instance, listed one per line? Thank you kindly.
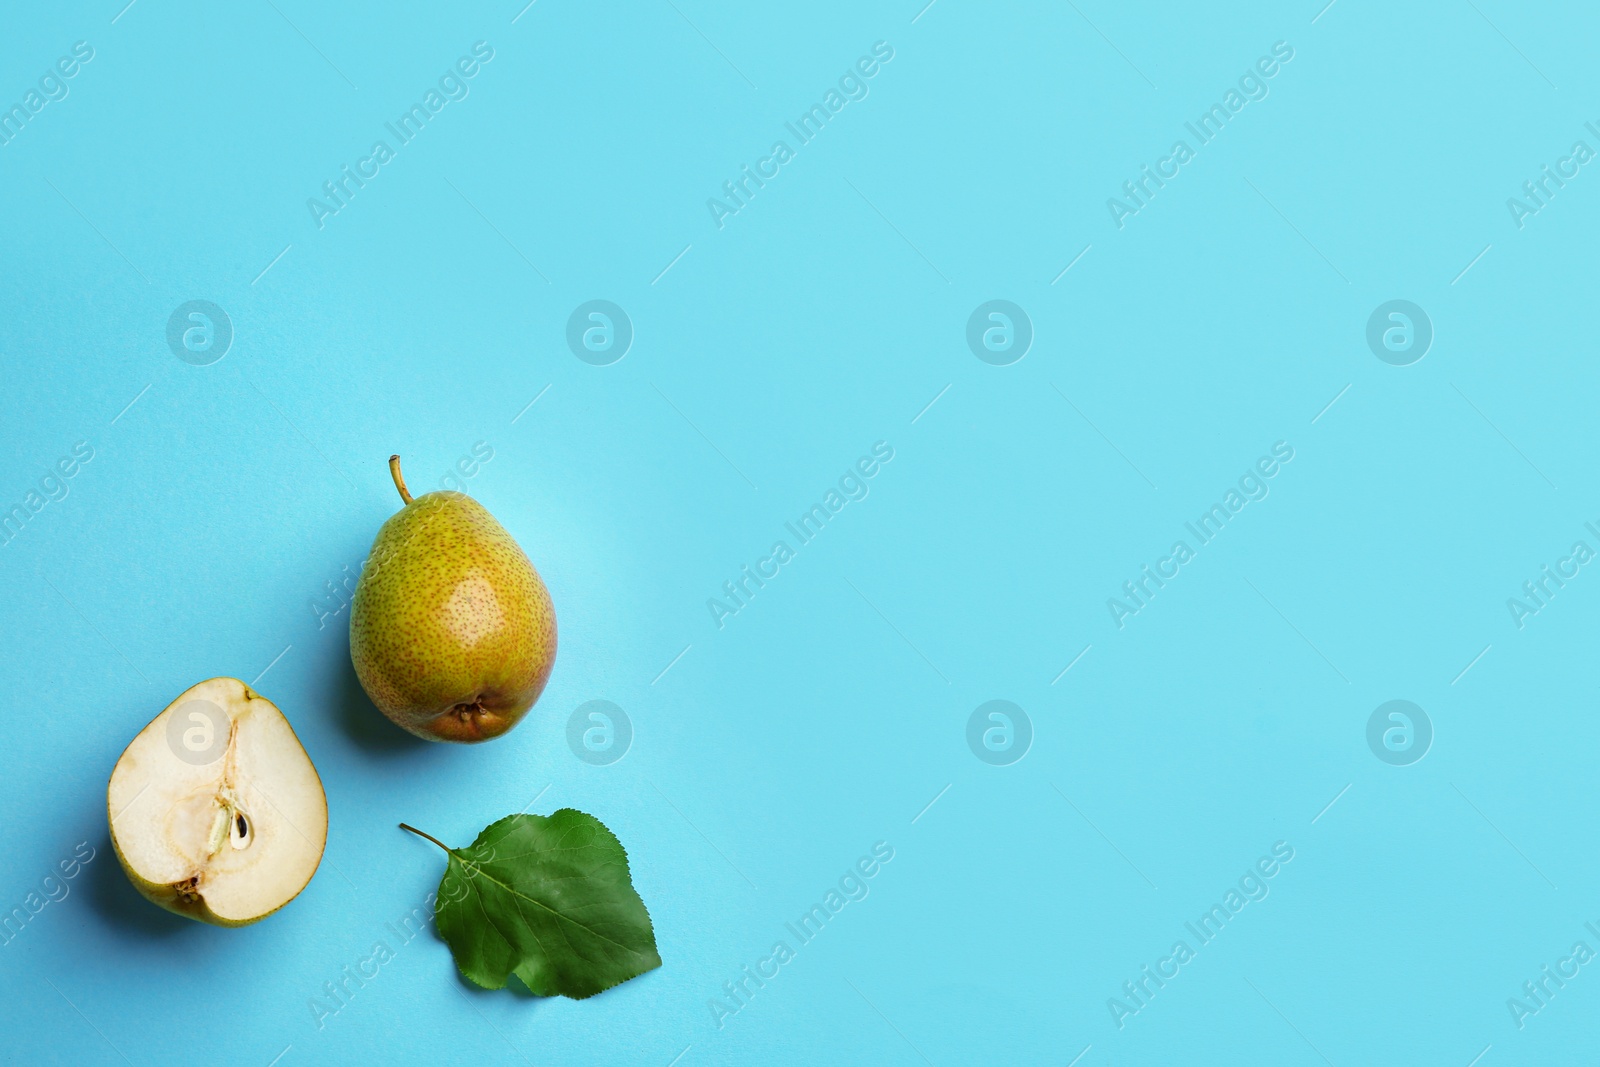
(430, 837)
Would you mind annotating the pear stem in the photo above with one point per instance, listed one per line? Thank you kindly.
(399, 480)
(430, 837)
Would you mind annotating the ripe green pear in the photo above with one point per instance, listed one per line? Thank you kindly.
(452, 632)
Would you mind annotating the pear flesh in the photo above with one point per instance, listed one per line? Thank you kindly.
(452, 632)
(216, 811)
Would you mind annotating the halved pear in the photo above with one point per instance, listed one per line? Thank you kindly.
(216, 811)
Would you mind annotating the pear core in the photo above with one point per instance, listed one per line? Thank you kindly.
(216, 811)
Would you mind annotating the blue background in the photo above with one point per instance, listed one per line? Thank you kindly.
(769, 354)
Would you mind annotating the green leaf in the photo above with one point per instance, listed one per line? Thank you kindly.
(549, 900)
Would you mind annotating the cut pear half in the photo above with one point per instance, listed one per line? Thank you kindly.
(216, 811)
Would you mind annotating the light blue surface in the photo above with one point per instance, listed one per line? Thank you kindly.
(831, 712)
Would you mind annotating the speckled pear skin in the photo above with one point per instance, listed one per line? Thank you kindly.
(452, 632)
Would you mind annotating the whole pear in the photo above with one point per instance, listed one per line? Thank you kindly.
(452, 632)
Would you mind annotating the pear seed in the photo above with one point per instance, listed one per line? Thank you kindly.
(243, 833)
